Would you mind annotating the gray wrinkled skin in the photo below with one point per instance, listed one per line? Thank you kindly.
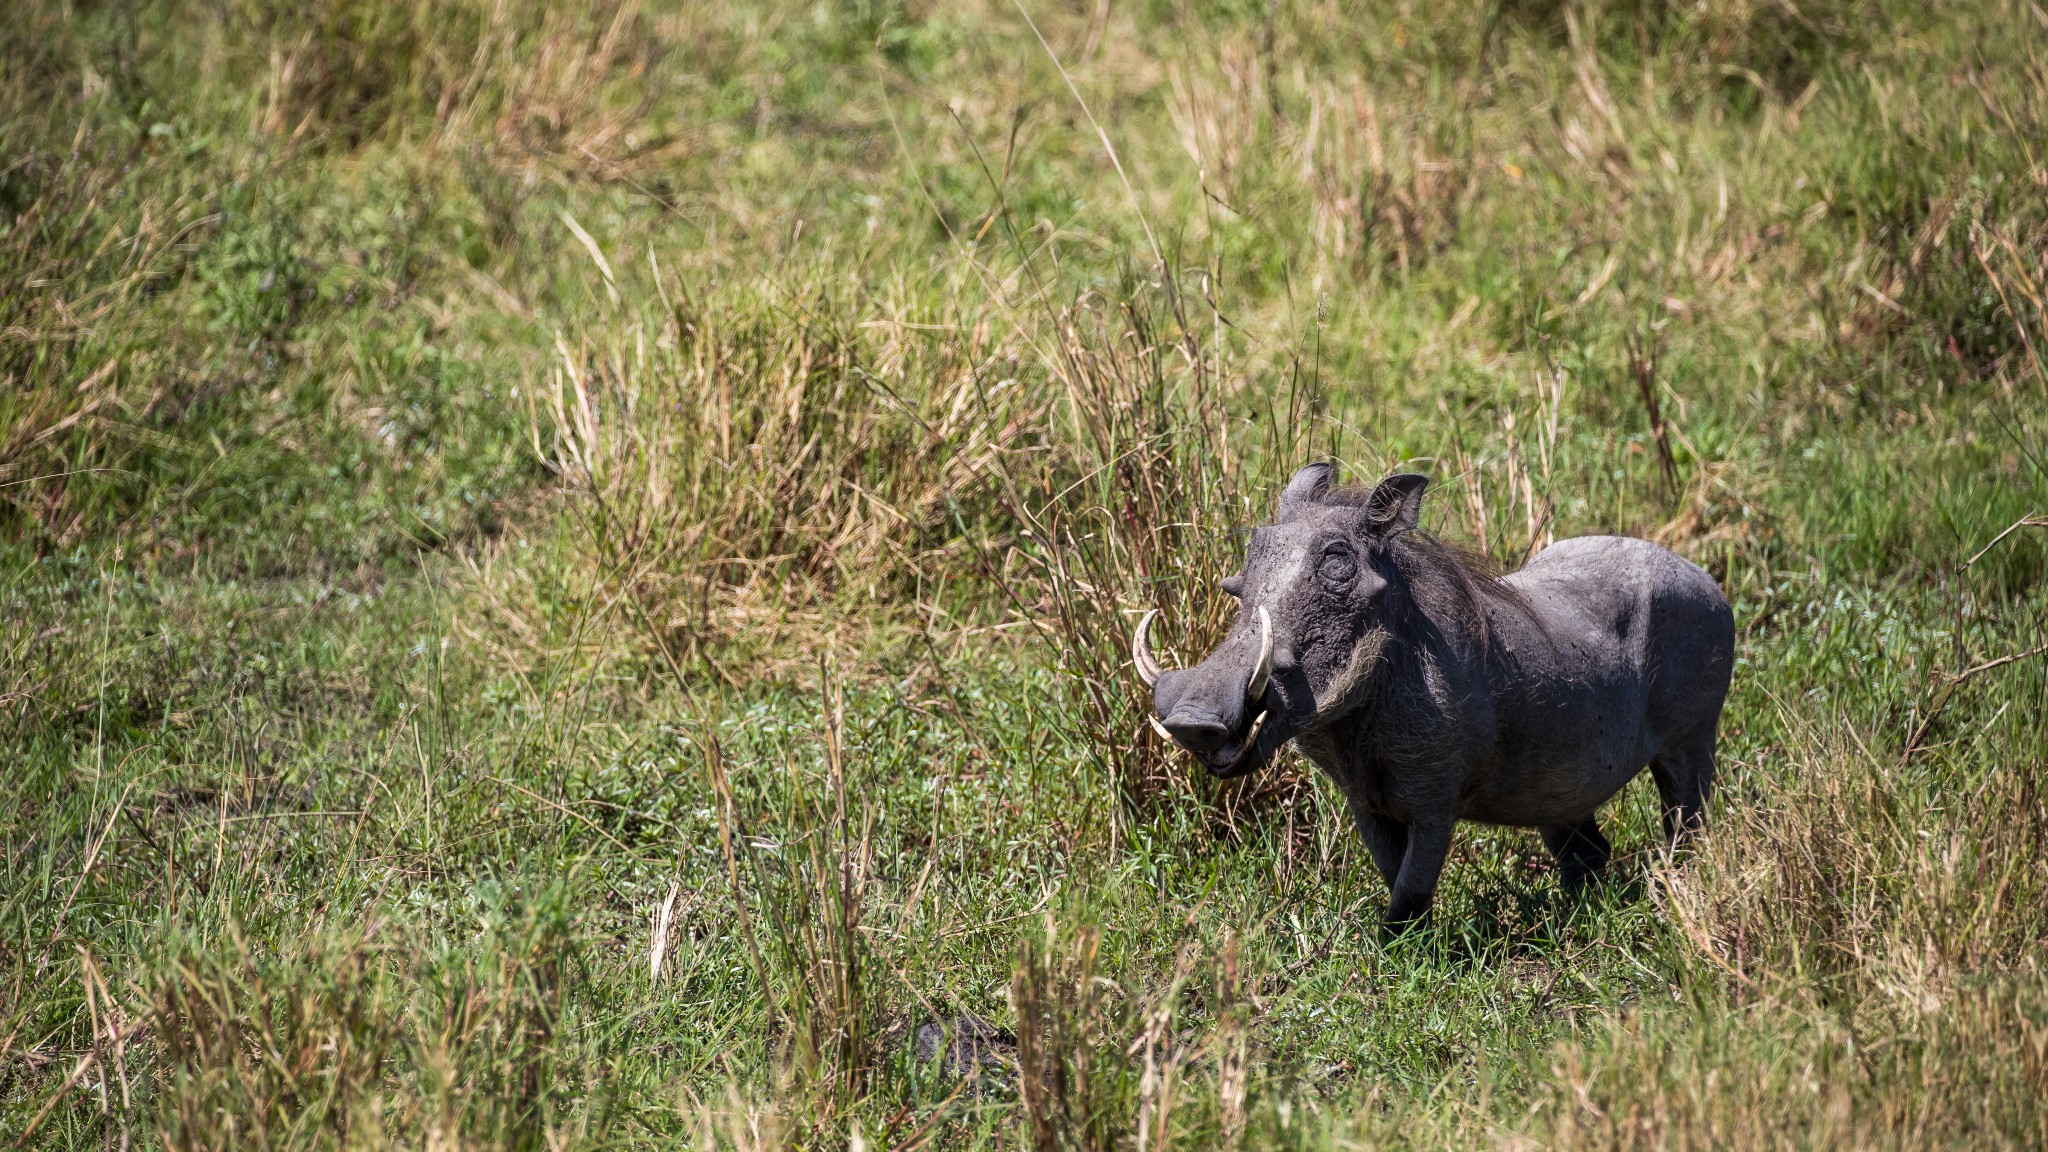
(1431, 694)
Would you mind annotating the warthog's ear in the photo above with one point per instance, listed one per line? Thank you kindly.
(1396, 505)
(1307, 488)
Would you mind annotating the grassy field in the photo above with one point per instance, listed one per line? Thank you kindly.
(567, 567)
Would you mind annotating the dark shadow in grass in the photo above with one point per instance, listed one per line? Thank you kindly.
(1520, 913)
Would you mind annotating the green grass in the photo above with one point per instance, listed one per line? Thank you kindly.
(475, 476)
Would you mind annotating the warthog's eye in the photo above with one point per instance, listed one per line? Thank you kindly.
(1338, 567)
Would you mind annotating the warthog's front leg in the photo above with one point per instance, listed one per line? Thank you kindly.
(1386, 838)
(1428, 844)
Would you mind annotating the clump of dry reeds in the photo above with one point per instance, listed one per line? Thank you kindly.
(1101, 1066)
(77, 274)
(525, 81)
(347, 1040)
(249, 1049)
(1864, 867)
(1847, 894)
(739, 457)
(801, 907)
(1139, 507)
(743, 471)
(830, 990)
(1072, 1072)
(1854, 867)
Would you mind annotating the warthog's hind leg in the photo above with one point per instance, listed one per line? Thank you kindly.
(1684, 771)
(1580, 849)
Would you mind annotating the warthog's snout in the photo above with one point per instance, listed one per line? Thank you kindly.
(1215, 710)
(1198, 730)
(1198, 718)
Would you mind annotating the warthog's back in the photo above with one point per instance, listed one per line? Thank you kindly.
(1630, 647)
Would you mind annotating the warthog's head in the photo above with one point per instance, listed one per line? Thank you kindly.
(1309, 628)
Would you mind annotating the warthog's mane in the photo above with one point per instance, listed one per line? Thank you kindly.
(1449, 583)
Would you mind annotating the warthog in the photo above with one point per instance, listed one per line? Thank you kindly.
(1431, 692)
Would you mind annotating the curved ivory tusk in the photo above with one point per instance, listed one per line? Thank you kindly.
(1141, 650)
(1251, 740)
(1255, 688)
(1161, 729)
